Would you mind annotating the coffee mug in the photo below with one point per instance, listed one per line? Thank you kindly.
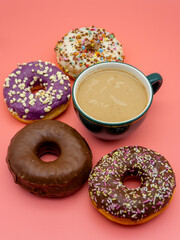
(119, 129)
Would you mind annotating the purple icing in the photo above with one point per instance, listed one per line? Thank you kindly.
(22, 101)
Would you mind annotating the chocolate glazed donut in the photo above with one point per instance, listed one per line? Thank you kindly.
(127, 206)
(57, 178)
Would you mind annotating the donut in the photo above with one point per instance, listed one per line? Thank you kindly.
(36, 90)
(121, 204)
(58, 178)
(83, 47)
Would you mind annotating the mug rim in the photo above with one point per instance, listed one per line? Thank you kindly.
(106, 123)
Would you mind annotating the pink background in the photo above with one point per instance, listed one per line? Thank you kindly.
(149, 32)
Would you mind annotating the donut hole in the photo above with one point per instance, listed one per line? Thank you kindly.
(37, 88)
(48, 152)
(89, 46)
(132, 182)
(132, 179)
(92, 47)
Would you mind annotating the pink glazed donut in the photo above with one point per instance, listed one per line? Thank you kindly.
(36, 90)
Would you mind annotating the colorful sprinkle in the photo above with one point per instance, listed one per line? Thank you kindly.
(107, 177)
(90, 45)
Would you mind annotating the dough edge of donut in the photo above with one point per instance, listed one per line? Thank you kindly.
(126, 221)
(51, 115)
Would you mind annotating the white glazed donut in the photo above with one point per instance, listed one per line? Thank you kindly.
(83, 47)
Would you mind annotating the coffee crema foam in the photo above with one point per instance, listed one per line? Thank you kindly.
(112, 95)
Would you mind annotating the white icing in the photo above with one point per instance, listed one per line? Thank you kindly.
(83, 47)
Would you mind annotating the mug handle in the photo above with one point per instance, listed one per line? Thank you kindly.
(156, 81)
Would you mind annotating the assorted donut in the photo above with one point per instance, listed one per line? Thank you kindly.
(37, 92)
(127, 206)
(83, 47)
(57, 178)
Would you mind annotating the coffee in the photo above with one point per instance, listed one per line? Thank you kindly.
(112, 95)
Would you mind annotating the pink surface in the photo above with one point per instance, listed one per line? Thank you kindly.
(149, 32)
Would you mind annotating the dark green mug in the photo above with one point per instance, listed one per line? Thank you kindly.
(115, 130)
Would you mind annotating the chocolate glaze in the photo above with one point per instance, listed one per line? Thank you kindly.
(50, 179)
(108, 192)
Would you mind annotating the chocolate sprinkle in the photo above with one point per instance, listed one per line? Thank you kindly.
(86, 46)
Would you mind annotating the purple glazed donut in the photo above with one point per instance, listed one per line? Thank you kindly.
(36, 90)
(127, 206)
